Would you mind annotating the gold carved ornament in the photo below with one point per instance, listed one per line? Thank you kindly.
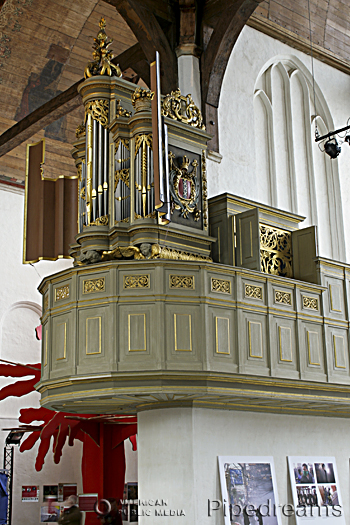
(182, 108)
(182, 281)
(151, 251)
(310, 302)
(120, 111)
(255, 292)
(80, 131)
(62, 293)
(283, 297)
(204, 190)
(220, 286)
(102, 56)
(136, 281)
(100, 221)
(141, 98)
(275, 251)
(98, 109)
(185, 199)
(94, 285)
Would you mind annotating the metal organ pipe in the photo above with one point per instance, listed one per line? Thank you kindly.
(105, 171)
(100, 163)
(94, 169)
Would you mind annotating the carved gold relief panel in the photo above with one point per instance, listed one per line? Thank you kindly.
(220, 286)
(185, 282)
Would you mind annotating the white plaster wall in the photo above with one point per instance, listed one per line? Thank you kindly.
(20, 310)
(178, 451)
(239, 170)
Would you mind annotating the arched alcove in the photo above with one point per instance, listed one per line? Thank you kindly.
(304, 180)
(18, 341)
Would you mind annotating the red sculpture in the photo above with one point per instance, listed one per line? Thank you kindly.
(103, 436)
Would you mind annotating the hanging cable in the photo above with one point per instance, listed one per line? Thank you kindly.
(312, 70)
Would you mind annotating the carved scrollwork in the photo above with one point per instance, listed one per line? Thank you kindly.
(80, 131)
(184, 187)
(310, 302)
(275, 251)
(100, 221)
(181, 281)
(255, 292)
(283, 297)
(182, 108)
(136, 281)
(204, 190)
(220, 285)
(94, 285)
(123, 175)
(98, 109)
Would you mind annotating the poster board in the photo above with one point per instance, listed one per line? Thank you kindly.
(316, 491)
(30, 493)
(87, 501)
(49, 514)
(248, 485)
(65, 490)
(50, 492)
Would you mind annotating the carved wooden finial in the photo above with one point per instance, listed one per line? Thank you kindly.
(102, 56)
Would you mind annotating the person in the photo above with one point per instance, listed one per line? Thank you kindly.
(306, 476)
(113, 517)
(71, 514)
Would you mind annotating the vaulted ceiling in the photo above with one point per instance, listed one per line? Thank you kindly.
(45, 45)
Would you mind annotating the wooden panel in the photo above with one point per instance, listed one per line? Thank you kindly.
(255, 340)
(339, 351)
(285, 343)
(183, 332)
(313, 346)
(93, 335)
(222, 335)
(137, 332)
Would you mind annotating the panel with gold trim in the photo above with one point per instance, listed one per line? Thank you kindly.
(93, 335)
(222, 335)
(339, 347)
(137, 326)
(183, 332)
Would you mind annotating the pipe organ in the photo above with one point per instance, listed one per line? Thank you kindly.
(117, 190)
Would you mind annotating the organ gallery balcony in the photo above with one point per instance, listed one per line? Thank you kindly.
(176, 300)
(134, 334)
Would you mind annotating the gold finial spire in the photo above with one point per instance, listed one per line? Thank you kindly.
(102, 56)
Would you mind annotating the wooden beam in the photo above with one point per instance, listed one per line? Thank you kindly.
(226, 31)
(60, 105)
(146, 28)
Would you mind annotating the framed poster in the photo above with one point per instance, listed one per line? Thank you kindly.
(248, 485)
(316, 491)
(65, 490)
(30, 493)
(50, 492)
(49, 514)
